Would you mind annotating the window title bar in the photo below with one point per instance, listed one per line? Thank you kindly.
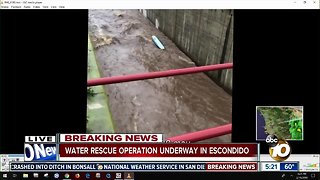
(160, 4)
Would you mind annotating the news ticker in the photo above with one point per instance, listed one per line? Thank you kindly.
(80, 149)
(131, 147)
(152, 166)
(141, 152)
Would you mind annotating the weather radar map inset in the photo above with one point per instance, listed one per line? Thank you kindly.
(285, 122)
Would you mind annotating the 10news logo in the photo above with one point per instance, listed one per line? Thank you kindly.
(279, 149)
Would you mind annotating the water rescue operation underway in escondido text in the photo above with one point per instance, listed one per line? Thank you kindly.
(157, 150)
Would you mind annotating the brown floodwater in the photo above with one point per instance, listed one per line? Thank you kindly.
(171, 105)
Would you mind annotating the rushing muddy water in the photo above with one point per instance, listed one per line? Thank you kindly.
(172, 105)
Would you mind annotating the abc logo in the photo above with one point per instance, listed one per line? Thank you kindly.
(279, 149)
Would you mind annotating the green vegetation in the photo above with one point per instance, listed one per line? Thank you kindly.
(88, 129)
(90, 92)
(284, 122)
(99, 118)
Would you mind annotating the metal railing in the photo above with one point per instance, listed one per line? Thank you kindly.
(159, 74)
(191, 137)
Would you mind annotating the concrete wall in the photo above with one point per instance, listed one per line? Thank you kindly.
(206, 36)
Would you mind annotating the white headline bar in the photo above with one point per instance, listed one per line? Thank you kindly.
(114, 138)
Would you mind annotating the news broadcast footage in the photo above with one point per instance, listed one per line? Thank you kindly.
(160, 93)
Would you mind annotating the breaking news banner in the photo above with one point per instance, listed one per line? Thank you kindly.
(158, 152)
(132, 166)
(40, 148)
(112, 138)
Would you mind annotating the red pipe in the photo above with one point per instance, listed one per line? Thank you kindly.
(159, 74)
(204, 134)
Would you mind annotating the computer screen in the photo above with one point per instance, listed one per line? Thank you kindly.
(159, 90)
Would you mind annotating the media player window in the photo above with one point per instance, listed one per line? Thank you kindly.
(7, 158)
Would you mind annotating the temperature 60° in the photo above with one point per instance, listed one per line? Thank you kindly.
(289, 166)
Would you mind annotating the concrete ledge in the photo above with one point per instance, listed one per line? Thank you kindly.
(98, 112)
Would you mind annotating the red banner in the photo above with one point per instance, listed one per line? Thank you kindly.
(232, 166)
(158, 150)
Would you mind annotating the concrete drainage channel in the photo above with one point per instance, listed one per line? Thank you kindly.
(99, 118)
(122, 45)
